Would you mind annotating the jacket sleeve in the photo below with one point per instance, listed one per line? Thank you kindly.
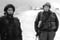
(37, 22)
(0, 24)
(19, 31)
(56, 23)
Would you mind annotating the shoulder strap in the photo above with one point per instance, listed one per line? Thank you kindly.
(41, 15)
(47, 17)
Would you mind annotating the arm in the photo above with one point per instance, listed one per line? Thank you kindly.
(0, 27)
(19, 35)
(37, 21)
(18, 30)
(55, 23)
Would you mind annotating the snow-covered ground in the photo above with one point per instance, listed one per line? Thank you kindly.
(27, 24)
(27, 19)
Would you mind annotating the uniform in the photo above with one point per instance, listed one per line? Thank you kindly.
(48, 26)
(10, 28)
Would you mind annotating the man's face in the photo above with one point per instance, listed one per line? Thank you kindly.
(46, 8)
(10, 11)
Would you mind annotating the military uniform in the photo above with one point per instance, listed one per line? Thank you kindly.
(10, 28)
(48, 26)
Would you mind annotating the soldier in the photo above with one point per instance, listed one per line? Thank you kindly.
(10, 27)
(46, 23)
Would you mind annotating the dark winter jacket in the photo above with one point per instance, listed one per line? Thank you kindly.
(10, 28)
(49, 21)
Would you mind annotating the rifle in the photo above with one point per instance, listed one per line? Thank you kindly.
(37, 37)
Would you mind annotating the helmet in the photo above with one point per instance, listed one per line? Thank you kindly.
(9, 6)
(47, 4)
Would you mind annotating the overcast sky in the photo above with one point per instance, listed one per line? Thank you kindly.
(25, 4)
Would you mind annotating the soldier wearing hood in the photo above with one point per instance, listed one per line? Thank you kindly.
(46, 23)
(10, 27)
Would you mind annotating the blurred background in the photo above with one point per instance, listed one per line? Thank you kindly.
(27, 10)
